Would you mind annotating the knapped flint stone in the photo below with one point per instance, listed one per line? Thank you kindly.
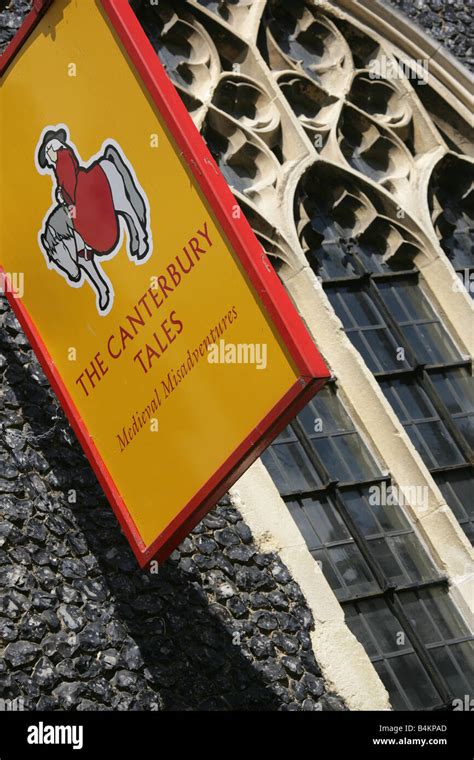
(146, 701)
(63, 644)
(131, 656)
(223, 564)
(73, 568)
(22, 683)
(10, 532)
(244, 532)
(280, 573)
(299, 691)
(101, 687)
(46, 703)
(204, 563)
(69, 694)
(225, 590)
(66, 670)
(226, 537)
(288, 644)
(78, 545)
(51, 620)
(213, 521)
(12, 577)
(41, 600)
(240, 553)
(109, 658)
(263, 560)
(87, 705)
(124, 679)
(287, 623)
(278, 600)
(252, 579)
(32, 627)
(309, 663)
(44, 673)
(90, 638)
(272, 671)
(260, 646)
(46, 577)
(266, 621)
(188, 566)
(304, 616)
(87, 667)
(187, 546)
(314, 685)
(8, 630)
(292, 665)
(21, 652)
(237, 607)
(14, 604)
(331, 702)
(71, 617)
(115, 631)
(68, 595)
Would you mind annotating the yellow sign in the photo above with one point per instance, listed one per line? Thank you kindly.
(155, 330)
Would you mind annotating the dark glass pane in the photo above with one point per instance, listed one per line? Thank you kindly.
(325, 521)
(413, 399)
(361, 513)
(397, 698)
(466, 427)
(419, 618)
(415, 682)
(413, 557)
(322, 558)
(463, 653)
(453, 677)
(285, 436)
(389, 563)
(456, 388)
(359, 308)
(371, 512)
(290, 468)
(353, 569)
(346, 458)
(444, 451)
(444, 613)
(430, 343)
(378, 349)
(312, 539)
(456, 488)
(386, 629)
(359, 629)
(329, 409)
(396, 305)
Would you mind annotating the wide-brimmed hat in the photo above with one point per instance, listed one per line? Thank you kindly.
(51, 134)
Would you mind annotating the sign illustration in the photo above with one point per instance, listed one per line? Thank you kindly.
(92, 205)
(156, 315)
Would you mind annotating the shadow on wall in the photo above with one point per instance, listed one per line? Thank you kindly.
(97, 631)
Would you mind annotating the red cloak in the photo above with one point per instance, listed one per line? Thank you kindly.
(88, 190)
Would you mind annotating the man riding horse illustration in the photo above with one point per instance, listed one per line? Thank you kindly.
(85, 224)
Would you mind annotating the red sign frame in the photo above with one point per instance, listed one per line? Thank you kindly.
(278, 306)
